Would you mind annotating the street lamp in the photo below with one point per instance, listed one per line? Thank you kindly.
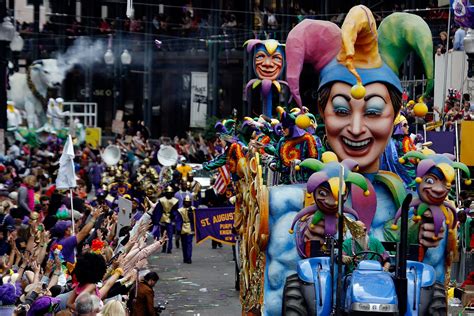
(469, 48)
(126, 58)
(109, 57)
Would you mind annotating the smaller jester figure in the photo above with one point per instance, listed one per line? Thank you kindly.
(296, 144)
(324, 186)
(233, 150)
(435, 174)
(269, 63)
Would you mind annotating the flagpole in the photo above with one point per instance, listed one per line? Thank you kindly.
(446, 55)
(70, 191)
(72, 213)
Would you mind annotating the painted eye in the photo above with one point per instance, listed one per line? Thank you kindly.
(277, 58)
(46, 72)
(429, 180)
(341, 106)
(322, 193)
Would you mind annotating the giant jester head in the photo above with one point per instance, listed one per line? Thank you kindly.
(359, 92)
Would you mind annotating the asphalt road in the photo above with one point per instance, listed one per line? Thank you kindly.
(205, 287)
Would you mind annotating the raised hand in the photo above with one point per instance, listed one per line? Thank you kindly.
(316, 232)
(427, 235)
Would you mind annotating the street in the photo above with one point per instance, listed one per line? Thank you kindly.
(205, 287)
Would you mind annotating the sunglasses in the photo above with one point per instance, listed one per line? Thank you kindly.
(405, 125)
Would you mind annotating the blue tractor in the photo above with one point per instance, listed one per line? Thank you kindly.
(320, 288)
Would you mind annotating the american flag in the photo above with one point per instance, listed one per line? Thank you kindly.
(222, 180)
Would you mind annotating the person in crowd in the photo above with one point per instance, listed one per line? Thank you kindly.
(143, 297)
(163, 217)
(26, 197)
(459, 39)
(185, 227)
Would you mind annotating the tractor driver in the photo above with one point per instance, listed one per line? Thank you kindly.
(353, 248)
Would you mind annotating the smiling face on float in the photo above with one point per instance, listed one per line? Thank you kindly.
(433, 189)
(268, 66)
(359, 129)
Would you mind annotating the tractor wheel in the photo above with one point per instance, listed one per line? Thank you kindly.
(437, 305)
(294, 303)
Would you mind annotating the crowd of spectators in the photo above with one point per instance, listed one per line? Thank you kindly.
(61, 251)
(173, 25)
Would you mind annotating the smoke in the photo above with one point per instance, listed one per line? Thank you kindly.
(84, 52)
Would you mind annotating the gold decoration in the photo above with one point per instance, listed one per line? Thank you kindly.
(251, 222)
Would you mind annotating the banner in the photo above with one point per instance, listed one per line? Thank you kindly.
(94, 136)
(463, 13)
(198, 99)
(466, 149)
(443, 142)
(66, 178)
(215, 223)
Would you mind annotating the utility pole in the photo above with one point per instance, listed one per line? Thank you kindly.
(36, 30)
(7, 32)
(147, 74)
(213, 70)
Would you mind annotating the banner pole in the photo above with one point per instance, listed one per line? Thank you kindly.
(458, 179)
(72, 212)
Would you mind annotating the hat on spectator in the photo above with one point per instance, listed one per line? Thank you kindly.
(45, 305)
(61, 226)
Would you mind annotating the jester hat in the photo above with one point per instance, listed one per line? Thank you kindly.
(225, 127)
(328, 173)
(288, 120)
(443, 162)
(358, 53)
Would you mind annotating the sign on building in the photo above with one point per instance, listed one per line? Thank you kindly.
(198, 99)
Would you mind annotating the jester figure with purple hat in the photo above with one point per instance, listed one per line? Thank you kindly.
(268, 65)
(324, 186)
(435, 174)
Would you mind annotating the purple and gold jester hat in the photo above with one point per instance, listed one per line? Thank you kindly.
(444, 167)
(357, 53)
(225, 129)
(328, 174)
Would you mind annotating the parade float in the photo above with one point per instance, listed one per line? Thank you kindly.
(296, 201)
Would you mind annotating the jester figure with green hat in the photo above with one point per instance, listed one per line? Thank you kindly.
(359, 97)
(324, 186)
(435, 175)
(360, 94)
(295, 145)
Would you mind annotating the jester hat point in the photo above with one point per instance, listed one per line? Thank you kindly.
(358, 53)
